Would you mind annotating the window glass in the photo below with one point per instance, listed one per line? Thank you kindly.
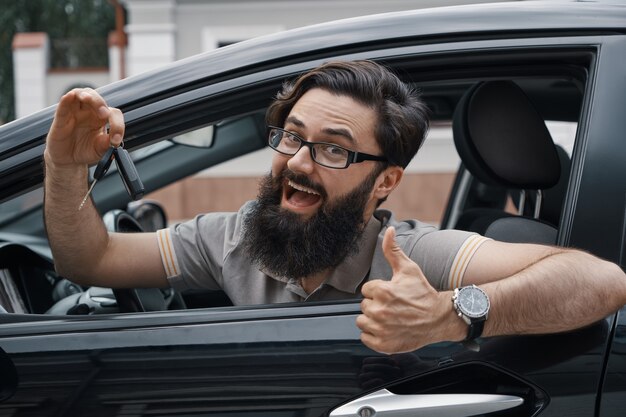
(14, 207)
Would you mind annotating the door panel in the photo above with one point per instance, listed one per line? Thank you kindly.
(291, 361)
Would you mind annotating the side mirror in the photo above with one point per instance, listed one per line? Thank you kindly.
(8, 377)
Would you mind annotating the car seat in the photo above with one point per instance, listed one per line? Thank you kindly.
(504, 143)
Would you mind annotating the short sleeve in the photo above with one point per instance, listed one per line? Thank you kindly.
(193, 252)
(444, 256)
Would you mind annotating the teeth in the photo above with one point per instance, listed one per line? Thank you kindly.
(301, 188)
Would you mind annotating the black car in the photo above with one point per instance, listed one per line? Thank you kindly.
(73, 351)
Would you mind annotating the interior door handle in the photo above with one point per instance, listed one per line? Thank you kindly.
(383, 403)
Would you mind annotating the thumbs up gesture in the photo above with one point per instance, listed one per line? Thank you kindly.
(405, 313)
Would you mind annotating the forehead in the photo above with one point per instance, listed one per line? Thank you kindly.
(320, 112)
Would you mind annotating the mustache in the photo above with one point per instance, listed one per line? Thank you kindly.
(302, 180)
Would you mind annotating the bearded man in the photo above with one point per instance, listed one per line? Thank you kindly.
(343, 134)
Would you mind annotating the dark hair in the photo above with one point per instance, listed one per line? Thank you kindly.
(402, 116)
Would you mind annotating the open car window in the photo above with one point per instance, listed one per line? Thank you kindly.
(223, 174)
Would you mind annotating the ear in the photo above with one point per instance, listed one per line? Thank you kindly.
(387, 181)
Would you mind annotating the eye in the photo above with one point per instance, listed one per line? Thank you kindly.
(291, 138)
(332, 151)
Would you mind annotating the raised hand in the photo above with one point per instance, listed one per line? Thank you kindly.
(78, 135)
(405, 313)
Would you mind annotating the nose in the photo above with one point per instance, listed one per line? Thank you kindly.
(302, 161)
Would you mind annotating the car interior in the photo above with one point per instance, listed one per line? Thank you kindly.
(510, 185)
(526, 165)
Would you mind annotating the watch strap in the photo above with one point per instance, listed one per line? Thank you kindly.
(475, 329)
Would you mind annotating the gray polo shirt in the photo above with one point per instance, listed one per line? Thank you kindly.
(206, 253)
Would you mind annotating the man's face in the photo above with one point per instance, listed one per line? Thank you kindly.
(320, 116)
(308, 217)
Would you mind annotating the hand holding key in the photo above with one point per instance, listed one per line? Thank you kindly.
(78, 136)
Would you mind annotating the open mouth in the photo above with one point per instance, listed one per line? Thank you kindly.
(297, 195)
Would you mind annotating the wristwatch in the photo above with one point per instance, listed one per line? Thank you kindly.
(472, 305)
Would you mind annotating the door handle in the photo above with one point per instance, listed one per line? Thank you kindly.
(383, 403)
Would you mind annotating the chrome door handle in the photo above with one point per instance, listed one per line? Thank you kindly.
(383, 403)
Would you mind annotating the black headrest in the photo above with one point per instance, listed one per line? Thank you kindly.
(502, 140)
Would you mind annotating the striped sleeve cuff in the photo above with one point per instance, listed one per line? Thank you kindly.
(462, 259)
(168, 254)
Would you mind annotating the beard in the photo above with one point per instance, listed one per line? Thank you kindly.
(286, 245)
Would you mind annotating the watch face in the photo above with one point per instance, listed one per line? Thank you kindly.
(473, 302)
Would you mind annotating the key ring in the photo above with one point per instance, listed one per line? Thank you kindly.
(107, 129)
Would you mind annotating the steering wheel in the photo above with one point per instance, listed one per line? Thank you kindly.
(139, 299)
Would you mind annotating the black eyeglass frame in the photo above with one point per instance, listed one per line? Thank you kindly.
(354, 157)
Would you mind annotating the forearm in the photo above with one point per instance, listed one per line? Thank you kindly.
(77, 238)
(544, 290)
(561, 292)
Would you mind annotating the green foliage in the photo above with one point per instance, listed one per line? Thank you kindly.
(78, 31)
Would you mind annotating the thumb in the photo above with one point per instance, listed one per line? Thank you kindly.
(399, 262)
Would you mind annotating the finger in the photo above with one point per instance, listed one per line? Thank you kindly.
(64, 109)
(368, 307)
(64, 116)
(90, 99)
(401, 265)
(365, 324)
(116, 126)
(364, 302)
(372, 342)
(370, 288)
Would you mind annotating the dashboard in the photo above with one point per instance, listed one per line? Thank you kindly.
(28, 281)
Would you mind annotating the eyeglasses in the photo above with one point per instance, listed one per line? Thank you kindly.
(325, 154)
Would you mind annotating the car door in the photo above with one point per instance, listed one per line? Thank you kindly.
(598, 215)
(307, 359)
(281, 361)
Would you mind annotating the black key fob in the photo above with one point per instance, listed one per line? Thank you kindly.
(128, 172)
(104, 164)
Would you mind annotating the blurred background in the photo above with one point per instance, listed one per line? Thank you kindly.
(49, 47)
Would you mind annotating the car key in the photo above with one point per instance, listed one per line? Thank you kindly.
(128, 172)
(101, 169)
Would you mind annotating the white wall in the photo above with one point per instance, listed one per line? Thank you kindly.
(151, 31)
(60, 82)
(30, 64)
